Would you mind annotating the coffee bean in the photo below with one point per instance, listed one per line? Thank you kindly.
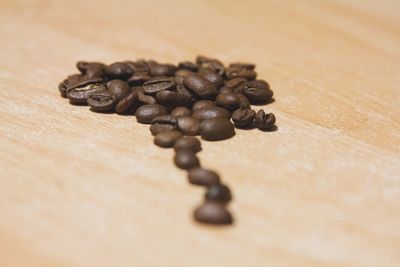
(118, 88)
(218, 193)
(78, 94)
(181, 111)
(119, 70)
(243, 118)
(229, 101)
(213, 213)
(162, 70)
(214, 78)
(200, 86)
(215, 129)
(226, 89)
(243, 65)
(210, 64)
(235, 81)
(203, 104)
(188, 65)
(265, 121)
(163, 123)
(210, 112)
(145, 114)
(138, 66)
(234, 72)
(188, 125)
(186, 159)
(139, 78)
(182, 73)
(103, 101)
(146, 99)
(202, 59)
(243, 101)
(200, 176)
(256, 91)
(91, 69)
(173, 99)
(158, 84)
(167, 138)
(128, 104)
(188, 143)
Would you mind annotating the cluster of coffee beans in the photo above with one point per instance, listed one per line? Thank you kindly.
(180, 102)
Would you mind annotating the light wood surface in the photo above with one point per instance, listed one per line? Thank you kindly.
(84, 189)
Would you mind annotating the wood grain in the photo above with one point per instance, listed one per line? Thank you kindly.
(85, 189)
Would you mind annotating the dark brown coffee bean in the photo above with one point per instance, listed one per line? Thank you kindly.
(225, 89)
(182, 73)
(186, 160)
(213, 213)
(243, 65)
(129, 104)
(173, 99)
(228, 101)
(118, 88)
(181, 111)
(235, 81)
(200, 176)
(138, 66)
(146, 99)
(188, 65)
(103, 101)
(234, 72)
(145, 114)
(256, 91)
(158, 84)
(162, 70)
(79, 93)
(218, 193)
(214, 78)
(215, 129)
(69, 83)
(243, 118)
(167, 138)
(203, 104)
(210, 112)
(210, 64)
(188, 143)
(119, 70)
(188, 125)
(163, 123)
(139, 78)
(243, 101)
(200, 86)
(91, 69)
(265, 121)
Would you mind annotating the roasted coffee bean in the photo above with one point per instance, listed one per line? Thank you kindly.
(188, 125)
(163, 123)
(139, 78)
(200, 86)
(234, 72)
(162, 70)
(229, 101)
(146, 99)
(202, 59)
(218, 193)
(186, 159)
(178, 80)
(182, 73)
(243, 118)
(118, 88)
(145, 114)
(138, 66)
(91, 69)
(243, 65)
(213, 213)
(215, 129)
(214, 78)
(181, 89)
(181, 111)
(265, 121)
(243, 101)
(79, 93)
(235, 81)
(172, 99)
(210, 64)
(167, 138)
(256, 91)
(128, 104)
(103, 101)
(188, 143)
(119, 70)
(225, 89)
(210, 112)
(200, 176)
(203, 104)
(188, 65)
(158, 84)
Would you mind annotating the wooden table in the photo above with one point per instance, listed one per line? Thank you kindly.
(85, 189)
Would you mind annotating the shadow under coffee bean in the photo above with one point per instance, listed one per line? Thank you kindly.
(201, 97)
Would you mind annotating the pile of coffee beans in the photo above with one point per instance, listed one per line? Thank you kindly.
(202, 98)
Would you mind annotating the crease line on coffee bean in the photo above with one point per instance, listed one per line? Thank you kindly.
(200, 98)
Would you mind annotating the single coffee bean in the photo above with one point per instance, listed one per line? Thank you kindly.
(72, 79)
(243, 101)
(265, 121)
(119, 70)
(145, 114)
(210, 64)
(188, 65)
(179, 79)
(181, 89)
(139, 78)
(188, 143)
(188, 125)
(162, 70)
(218, 193)
(243, 65)
(215, 129)
(213, 213)
(243, 118)
(181, 111)
(200, 86)
(256, 91)
(128, 104)
(203, 104)
(182, 73)
(103, 101)
(167, 138)
(172, 99)
(230, 101)
(186, 159)
(215, 78)
(79, 94)
(235, 81)
(91, 69)
(158, 84)
(200, 176)
(163, 123)
(146, 99)
(118, 88)
(138, 66)
(210, 112)
(234, 72)
(226, 89)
